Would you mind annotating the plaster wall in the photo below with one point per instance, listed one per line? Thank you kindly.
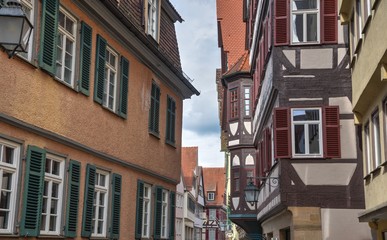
(343, 224)
(129, 177)
(366, 80)
(32, 96)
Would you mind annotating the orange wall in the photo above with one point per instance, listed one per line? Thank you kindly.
(32, 96)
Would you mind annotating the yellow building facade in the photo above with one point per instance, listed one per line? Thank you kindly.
(366, 21)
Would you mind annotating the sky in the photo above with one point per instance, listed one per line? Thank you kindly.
(200, 57)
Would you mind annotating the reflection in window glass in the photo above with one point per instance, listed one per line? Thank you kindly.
(306, 132)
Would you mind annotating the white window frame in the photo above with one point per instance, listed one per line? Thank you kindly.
(306, 132)
(211, 196)
(98, 189)
(304, 12)
(14, 169)
(367, 152)
(247, 100)
(110, 69)
(164, 214)
(153, 18)
(146, 214)
(376, 144)
(359, 19)
(28, 7)
(51, 178)
(66, 36)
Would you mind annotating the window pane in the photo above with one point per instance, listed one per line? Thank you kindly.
(52, 223)
(306, 115)
(314, 136)
(55, 189)
(7, 181)
(102, 180)
(43, 222)
(55, 168)
(61, 20)
(48, 165)
(299, 139)
(101, 199)
(44, 205)
(8, 155)
(69, 25)
(311, 25)
(5, 200)
(54, 207)
(304, 4)
(298, 28)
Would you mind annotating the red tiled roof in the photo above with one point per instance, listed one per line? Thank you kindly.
(233, 29)
(214, 181)
(242, 65)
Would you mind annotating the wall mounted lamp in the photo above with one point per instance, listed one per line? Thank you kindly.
(15, 28)
(252, 191)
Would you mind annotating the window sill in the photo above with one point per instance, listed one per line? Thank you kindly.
(307, 156)
(384, 164)
(358, 46)
(170, 143)
(353, 61)
(376, 171)
(30, 62)
(48, 236)
(304, 43)
(367, 22)
(367, 177)
(65, 84)
(154, 134)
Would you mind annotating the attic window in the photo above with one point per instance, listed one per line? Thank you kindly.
(211, 196)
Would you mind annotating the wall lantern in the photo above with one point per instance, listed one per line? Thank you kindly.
(15, 28)
(252, 191)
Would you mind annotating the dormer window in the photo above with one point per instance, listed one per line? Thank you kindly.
(211, 196)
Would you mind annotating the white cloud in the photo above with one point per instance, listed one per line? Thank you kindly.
(209, 148)
(200, 56)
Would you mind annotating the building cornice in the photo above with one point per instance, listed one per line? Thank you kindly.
(81, 147)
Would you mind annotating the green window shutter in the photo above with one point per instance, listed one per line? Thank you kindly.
(140, 208)
(100, 69)
(48, 37)
(123, 106)
(154, 109)
(172, 216)
(158, 210)
(33, 190)
(73, 199)
(85, 58)
(116, 207)
(88, 201)
(170, 133)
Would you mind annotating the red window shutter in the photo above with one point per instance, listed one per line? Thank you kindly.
(262, 159)
(282, 133)
(281, 23)
(269, 30)
(332, 148)
(262, 60)
(268, 148)
(329, 21)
